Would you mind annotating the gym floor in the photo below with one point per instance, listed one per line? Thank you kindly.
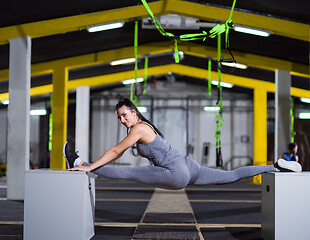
(127, 210)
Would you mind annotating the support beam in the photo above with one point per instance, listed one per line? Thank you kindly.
(282, 112)
(164, 69)
(192, 49)
(204, 12)
(60, 116)
(18, 117)
(260, 129)
(277, 26)
(82, 122)
(76, 23)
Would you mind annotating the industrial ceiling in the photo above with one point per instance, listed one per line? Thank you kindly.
(58, 33)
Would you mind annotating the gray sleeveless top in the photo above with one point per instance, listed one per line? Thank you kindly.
(159, 151)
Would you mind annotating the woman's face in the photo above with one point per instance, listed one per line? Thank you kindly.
(127, 117)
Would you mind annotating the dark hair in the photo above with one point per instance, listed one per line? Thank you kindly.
(291, 146)
(130, 105)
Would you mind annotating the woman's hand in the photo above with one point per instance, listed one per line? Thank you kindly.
(80, 167)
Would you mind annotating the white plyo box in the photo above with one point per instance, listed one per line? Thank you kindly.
(285, 206)
(59, 204)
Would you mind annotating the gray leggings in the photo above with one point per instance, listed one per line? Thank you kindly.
(180, 175)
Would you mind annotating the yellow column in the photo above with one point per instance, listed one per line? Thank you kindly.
(60, 116)
(260, 129)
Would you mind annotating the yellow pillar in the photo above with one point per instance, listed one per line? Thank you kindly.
(60, 116)
(260, 129)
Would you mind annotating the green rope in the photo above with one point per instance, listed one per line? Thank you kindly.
(218, 59)
(209, 77)
(176, 52)
(293, 133)
(218, 29)
(229, 24)
(146, 63)
(232, 10)
(219, 118)
(132, 95)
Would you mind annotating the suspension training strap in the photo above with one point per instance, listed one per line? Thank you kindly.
(218, 29)
(219, 70)
(219, 118)
(176, 52)
(146, 63)
(133, 95)
(229, 24)
(209, 77)
(293, 133)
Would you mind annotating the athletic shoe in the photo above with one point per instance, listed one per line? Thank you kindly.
(70, 155)
(287, 166)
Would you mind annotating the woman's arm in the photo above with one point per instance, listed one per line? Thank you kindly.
(296, 158)
(282, 156)
(116, 152)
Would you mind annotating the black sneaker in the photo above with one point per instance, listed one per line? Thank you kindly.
(287, 166)
(70, 155)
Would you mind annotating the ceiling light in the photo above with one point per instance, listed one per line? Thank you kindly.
(130, 81)
(37, 112)
(142, 109)
(123, 61)
(207, 24)
(305, 100)
(304, 115)
(211, 108)
(236, 65)
(5, 102)
(105, 26)
(223, 84)
(253, 31)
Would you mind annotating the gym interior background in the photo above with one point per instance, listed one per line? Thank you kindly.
(175, 97)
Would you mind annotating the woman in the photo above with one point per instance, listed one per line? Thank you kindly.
(171, 169)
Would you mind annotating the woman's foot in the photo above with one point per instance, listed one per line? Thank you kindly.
(69, 155)
(287, 166)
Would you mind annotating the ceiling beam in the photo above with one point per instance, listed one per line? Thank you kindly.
(236, 80)
(252, 60)
(75, 23)
(161, 70)
(277, 26)
(79, 22)
(193, 49)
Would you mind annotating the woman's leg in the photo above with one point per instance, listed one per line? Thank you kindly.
(215, 176)
(151, 175)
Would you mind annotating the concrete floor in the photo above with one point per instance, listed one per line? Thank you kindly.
(128, 210)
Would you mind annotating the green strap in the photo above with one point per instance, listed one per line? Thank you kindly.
(219, 59)
(229, 23)
(136, 50)
(155, 20)
(218, 29)
(176, 51)
(293, 133)
(209, 77)
(194, 36)
(146, 63)
(136, 62)
(232, 10)
(219, 118)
